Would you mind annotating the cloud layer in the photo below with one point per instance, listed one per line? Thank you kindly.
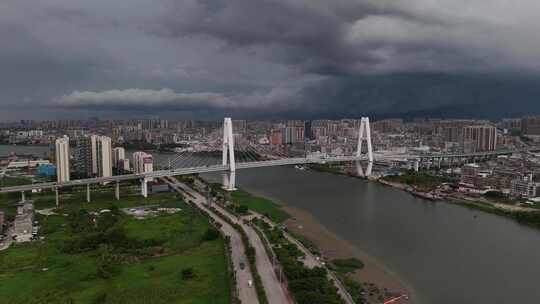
(294, 58)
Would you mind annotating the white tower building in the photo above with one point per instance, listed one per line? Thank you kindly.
(62, 159)
(102, 155)
(142, 162)
(119, 154)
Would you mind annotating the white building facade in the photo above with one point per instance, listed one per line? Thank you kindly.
(142, 162)
(62, 159)
(119, 154)
(104, 156)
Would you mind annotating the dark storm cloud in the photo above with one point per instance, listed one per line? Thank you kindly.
(298, 32)
(357, 37)
(255, 58)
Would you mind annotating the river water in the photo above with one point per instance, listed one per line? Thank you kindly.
(449, 254)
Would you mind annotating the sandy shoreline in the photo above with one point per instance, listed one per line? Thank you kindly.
(332, 246)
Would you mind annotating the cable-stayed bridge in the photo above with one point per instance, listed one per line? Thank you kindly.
(225, 151)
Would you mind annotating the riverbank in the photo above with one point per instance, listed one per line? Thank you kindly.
(373, 274)
(333, 247)
(411, 190)
(523, 215)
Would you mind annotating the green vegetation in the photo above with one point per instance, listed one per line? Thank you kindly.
(261, 205)
(328, 168)
(531, 218)
(14, 181)
(354, 288)
(244, 201)
(347, 265)
(308, 286)
(308, 244)
(499, 197)
(111, 257)
(420, 180)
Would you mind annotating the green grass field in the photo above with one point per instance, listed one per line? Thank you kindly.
(14, 181)
(41, 272)
(261, 205)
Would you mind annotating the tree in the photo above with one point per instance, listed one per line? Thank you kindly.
(80, 221)
(242, 209)
(107, 263)
(210, 234)
(188, 273)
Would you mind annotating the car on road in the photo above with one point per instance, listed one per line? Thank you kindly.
(250, 283)
(242, 265)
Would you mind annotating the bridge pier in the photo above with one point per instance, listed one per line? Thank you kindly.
(88, 193)
(144, 187)
(117, 191)
(57, 197)
(360, 172)
(229, 181)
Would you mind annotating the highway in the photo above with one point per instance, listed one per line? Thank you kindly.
(246, 293)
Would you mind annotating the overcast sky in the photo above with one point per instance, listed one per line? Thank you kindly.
(204, 59)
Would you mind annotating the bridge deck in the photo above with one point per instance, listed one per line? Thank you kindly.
(246, 165)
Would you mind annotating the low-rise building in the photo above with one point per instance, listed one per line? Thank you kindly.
(23, 224)
(525, 187)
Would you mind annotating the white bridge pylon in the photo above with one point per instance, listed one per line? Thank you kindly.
(229, 178)
(364, 134)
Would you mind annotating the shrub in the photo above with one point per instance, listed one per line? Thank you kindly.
(188, 273)
(210, 234)
(107, 263)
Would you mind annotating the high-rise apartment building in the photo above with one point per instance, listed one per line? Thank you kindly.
(276, 137)
(388, 125)
(93, 156)
(124, 165)
(104, 156)
(530, 125)
(62, 159)
(142, 162)
(308, 134)
(481, 137)
(119, 154)
(511, 123)
(83, 157)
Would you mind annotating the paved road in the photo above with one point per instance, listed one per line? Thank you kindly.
(246, 293)
(275, 291)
